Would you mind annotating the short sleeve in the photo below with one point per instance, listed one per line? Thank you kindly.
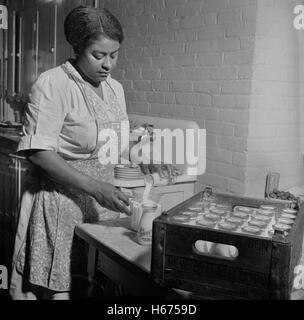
(44, 115)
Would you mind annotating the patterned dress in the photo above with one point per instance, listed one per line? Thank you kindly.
(67, 116)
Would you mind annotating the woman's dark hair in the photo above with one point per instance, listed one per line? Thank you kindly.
(84, 24)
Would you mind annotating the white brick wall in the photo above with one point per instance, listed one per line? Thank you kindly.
(191, 59)
(274, 142)
(227, 64)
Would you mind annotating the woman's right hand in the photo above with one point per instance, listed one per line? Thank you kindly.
(110, 197)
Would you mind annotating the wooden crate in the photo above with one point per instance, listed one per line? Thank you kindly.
(264, 268)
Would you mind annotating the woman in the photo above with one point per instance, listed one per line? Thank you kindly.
(69, 106)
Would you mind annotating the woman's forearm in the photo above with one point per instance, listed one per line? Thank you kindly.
(60, 171)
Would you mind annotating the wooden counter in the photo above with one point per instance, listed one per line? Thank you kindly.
(113, 250)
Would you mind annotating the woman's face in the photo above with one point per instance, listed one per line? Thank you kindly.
(98, 59)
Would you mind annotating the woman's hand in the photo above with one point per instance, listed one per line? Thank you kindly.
(110, 197)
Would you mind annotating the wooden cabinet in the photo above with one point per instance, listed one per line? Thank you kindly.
(12, 175)
(36, 46)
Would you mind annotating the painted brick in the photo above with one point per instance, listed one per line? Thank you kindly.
(241, 30)
(226, 44)
(192, 22)
(155, 97)
(211, 140)
(233, 144)
(173, 48)
(174, 3)
(135, 31)
(237, 187)
(187, 99)
(215, 181)
(135, 10)
(263, 131)
(257, 173)
(181, 112)
(140, 96)
(239, 159)
(249, 14)
(230, 101)
(131, 73)
(170, 98)
(181, 86)
(211, 18)
(277, 145)
(151, 74)
(174, 24)
(204, 100)
(162, 62)
(127, 84)
(253, 145)
(173, 74)
(287, 131)
(151, 51)
(219, 155)
(255, 189)
(211, 32)
(160, 85)
(155, 5)
(204, 113)
(198, 46)
(185, 35)
(138, 107)
(227, 170)
(223, 101)
(211, 87)
(241, 131)
(281, 116)
(214, 6)
(166, 13)
(239, 3)
(163, 38)
(157, 27)
(144, 85)
(189, 10)
(238, 58)
(158, 109)
(236, 87)
(247, 43)
(130, 95)
(245, 72)
(222, 73)
(209, 59)
(242, 102)
(230, 16)
(184, 60)
(219, 128)
(141, 62)
(196, 74)
(234, 116)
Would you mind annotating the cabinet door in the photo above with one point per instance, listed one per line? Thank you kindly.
(27, 50)
(64, 50)
(46, 37)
